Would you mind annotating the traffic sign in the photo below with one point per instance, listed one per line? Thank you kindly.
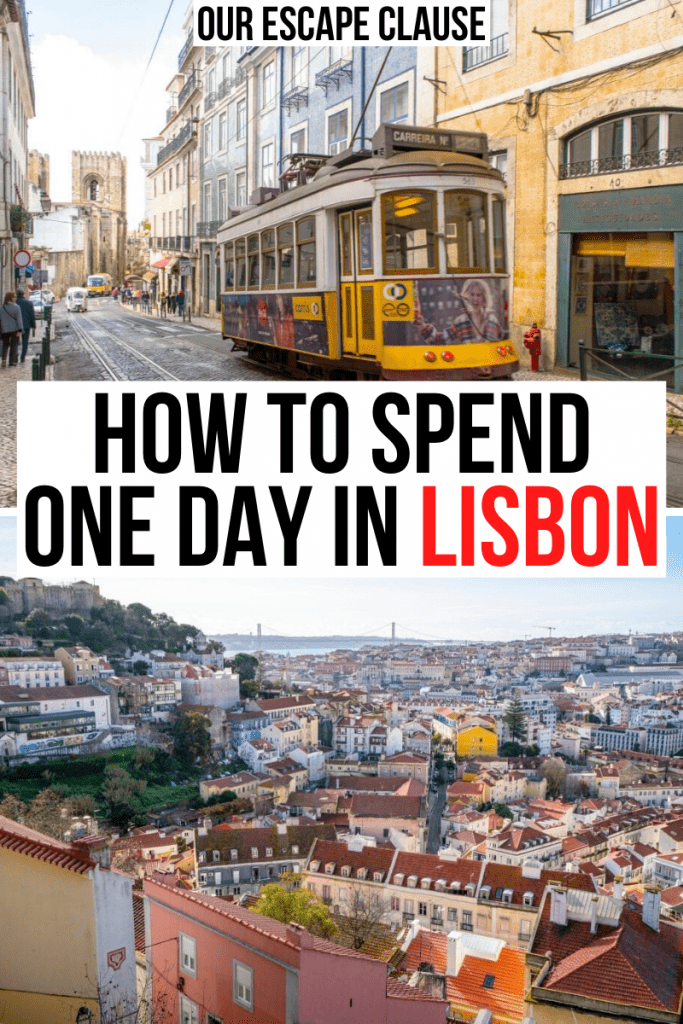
(22, 258)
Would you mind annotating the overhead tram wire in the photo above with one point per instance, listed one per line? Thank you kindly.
(144, 75)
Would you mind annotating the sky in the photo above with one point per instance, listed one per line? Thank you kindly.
(502, 609)
(89, 60)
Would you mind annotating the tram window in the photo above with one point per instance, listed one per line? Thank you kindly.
(409, 231)
(268, 259)
(498, 235)
(364, 241)
(345, 243)
(285, 249)
(254, 260)
(305, 237)
(466, 232)
(240, 264)
(229, 266)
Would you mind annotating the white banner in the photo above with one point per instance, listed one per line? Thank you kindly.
(346, 480)
(372, 24)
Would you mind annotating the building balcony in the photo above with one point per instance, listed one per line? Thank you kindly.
(191, 84)
(473, 56)
(295, 98)
(408, 915)
(183, 136)
(185, 52)
(209, 102)
(466, 926)
(614, 164)
(335, 74)
(208, 228)
(171, 113)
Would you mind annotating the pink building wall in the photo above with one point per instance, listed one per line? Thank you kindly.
(333, 988)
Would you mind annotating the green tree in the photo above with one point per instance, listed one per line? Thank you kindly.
(245, 665)
(515, 718)
(299, 905)
(140, 667)
(249, 689)
(503, 811)
(191, 737)
(119, 792)
(144, 758)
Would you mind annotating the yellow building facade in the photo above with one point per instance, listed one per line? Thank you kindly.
(476, 739)
(581, 101)
(66, 940)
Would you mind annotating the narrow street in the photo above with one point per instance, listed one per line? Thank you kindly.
(436, 806)
(111, 342)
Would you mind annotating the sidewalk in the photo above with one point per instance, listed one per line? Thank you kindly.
(209, 323)
(8, 417)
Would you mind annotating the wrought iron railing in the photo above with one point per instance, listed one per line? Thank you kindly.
(182, 56)
(171, 113)
(209, 101)
(617, 364)
(629, 162)
(189, 87)
(295, 98)
(473, 56)
(334, 74)
(208, 228)
(175, 144)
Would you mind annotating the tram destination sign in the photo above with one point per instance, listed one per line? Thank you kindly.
(391, 138)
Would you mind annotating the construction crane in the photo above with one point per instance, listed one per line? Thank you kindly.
(549, 628)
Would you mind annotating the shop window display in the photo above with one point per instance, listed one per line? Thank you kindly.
(622, 298)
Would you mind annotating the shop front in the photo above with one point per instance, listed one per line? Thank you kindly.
(620, 283)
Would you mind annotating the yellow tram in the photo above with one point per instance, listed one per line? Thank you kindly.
(386, 264)
(99, 284)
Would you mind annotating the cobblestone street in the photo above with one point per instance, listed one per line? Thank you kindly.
(113, 342)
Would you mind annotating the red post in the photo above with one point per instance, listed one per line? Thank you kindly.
(532, 341)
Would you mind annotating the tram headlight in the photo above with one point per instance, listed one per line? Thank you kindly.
(502, 350)
(430, 357)
(510, 350)
(447, 357)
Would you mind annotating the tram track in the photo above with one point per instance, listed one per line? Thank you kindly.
(109, 364)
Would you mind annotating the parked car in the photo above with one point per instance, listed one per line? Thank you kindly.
(48, 296)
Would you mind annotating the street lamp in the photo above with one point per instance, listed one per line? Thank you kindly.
(45, 202)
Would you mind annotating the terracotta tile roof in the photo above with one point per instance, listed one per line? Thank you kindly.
(510, 876)
(367, 783)
(277, 703)
(372, 858)
(629, 965)
(428, 865)
(370, 806)
(466, 991)
(21, 839)
(246, 840)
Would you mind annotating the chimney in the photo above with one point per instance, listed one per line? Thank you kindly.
(651, 902)
(618, 887)
(558, 905)
(298, 936)
(455, 954)
(594, 915)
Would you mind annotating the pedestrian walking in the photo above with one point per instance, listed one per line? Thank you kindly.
(171, 302)
(180, 302)
(28, 315)
(11, 328)
(162, 303)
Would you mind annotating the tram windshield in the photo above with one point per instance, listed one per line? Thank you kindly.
(466, 232)
(409, 231)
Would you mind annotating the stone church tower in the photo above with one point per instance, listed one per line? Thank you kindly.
(98, 181)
